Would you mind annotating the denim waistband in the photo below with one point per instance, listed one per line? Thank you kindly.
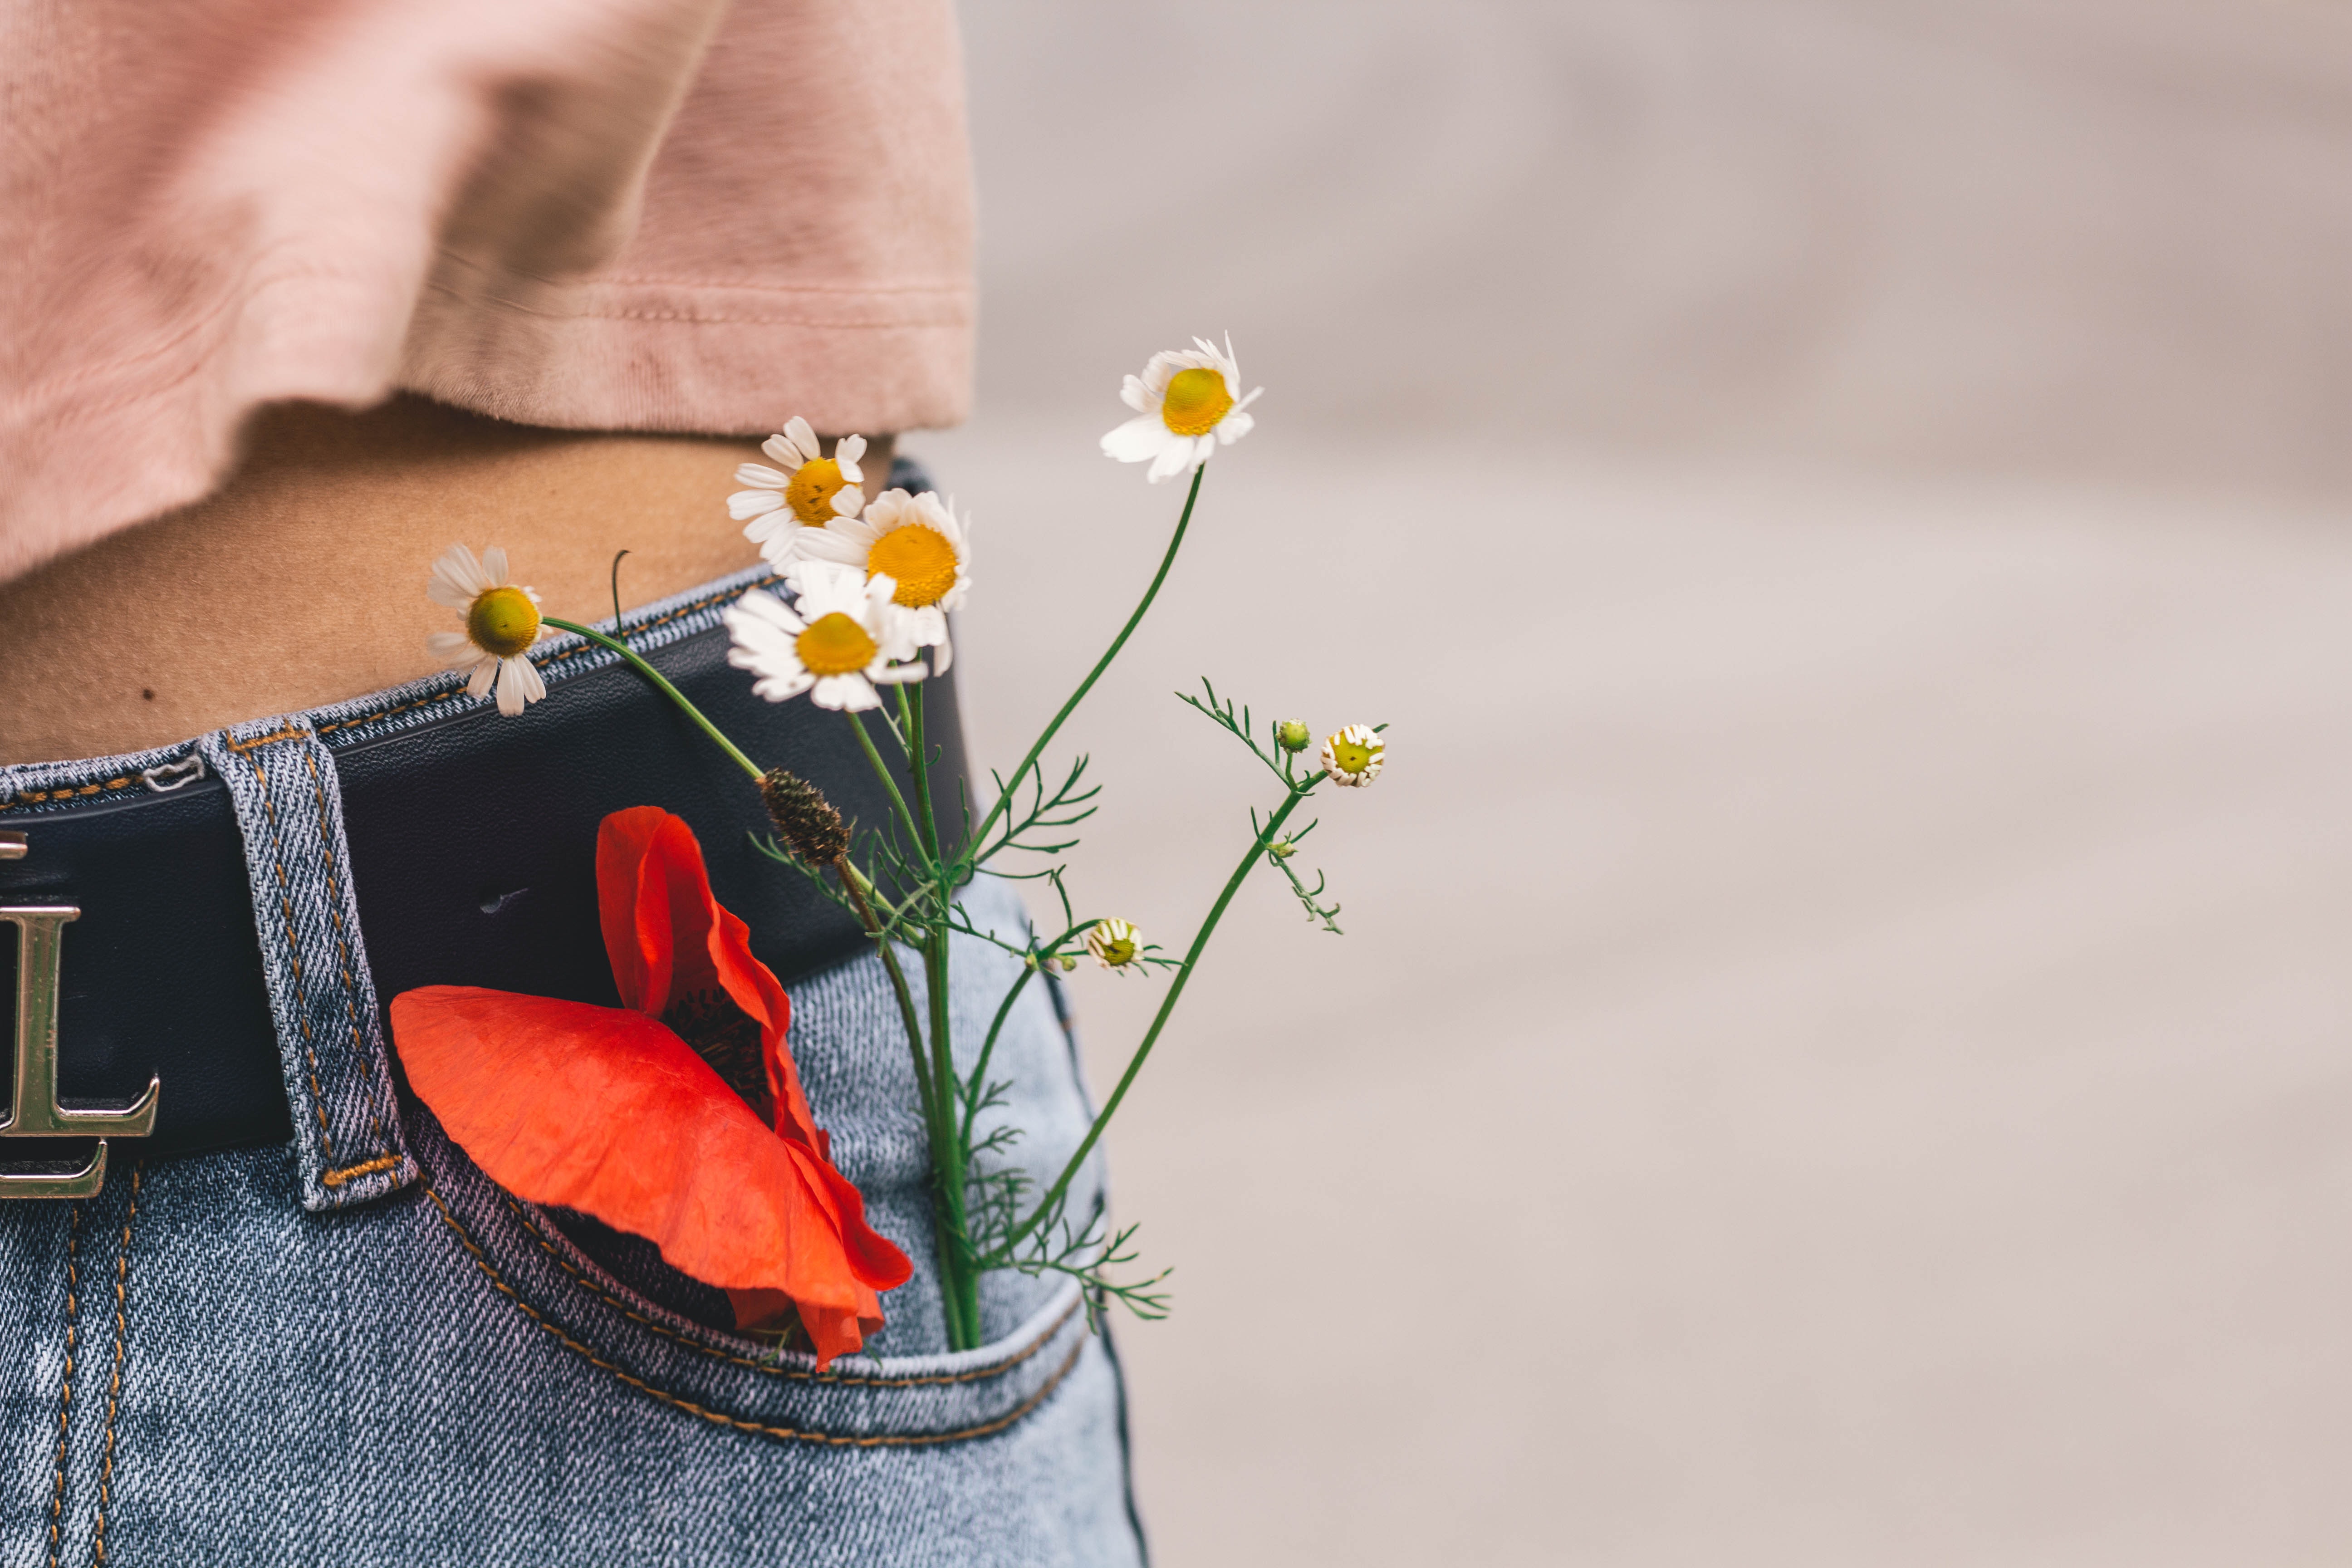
(224, 884)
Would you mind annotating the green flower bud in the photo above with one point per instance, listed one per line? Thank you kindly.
(1294, 735)
(1114, 943)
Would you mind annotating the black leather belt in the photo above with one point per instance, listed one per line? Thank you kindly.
(473, 858)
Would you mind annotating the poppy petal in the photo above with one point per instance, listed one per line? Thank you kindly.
(626, 907)
(668, 936)
(605, 1111)
(833, 1331)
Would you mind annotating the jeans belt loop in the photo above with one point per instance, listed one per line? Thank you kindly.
(282, 781)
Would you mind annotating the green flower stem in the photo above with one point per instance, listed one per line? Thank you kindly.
(907, 906)
(978, 1084)
(1151, 1036)
(1037, 958)
(961, 1308)
(960, 1286)
(661, 683)
(936, 948)
(935, 1077)
(882, 771)
(861, 893)
(980, 839)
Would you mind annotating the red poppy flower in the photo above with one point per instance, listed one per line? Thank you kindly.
(610, 1112)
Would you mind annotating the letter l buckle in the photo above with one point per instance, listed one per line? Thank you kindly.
(35, 1112)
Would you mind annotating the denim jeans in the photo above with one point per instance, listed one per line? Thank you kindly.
(354, 1348)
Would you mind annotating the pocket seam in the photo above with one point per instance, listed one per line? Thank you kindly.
(763, 1428)
(772, 1368)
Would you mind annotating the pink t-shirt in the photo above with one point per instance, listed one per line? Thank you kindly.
(623, 214)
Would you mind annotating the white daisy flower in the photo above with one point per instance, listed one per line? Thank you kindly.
(806, 489)
(836, 643)
(1187, 401)
(1114, 943)
(913, 539)
(501, 624)
(1354, 756)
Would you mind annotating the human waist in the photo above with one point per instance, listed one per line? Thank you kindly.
(301, 580)
(211, 943)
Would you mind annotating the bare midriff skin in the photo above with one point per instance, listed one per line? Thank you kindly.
(301, 580)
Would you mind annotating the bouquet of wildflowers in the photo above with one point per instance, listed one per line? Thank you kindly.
(728, 1172)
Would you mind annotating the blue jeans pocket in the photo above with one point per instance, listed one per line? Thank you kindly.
(861, 1401)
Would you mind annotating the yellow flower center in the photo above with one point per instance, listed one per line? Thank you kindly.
(919, 559)
(811, 493)
(836, 644)
(1196, 400)
(1115, 942)
(503, 621)
(1353, 757)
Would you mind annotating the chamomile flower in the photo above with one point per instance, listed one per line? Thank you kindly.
(1114, 943)
(805, 489)
(836, 643)
(501, 624)
(1187, 401)
(1353, 757)
(913, 539)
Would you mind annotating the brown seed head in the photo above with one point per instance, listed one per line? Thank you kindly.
(806, 820)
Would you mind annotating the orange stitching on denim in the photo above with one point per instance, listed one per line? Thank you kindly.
(285, 905)
(396, 708)
(114, 1389)
(364, 1168)
(830, 1440)
(64, 1399)
(343, 948)
(291, 733)
(770, 1368)
(63, 792)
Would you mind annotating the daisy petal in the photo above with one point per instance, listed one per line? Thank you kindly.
(510, 698)
(830, 546)
(1174, 459)
(1136, 440)
(783, 687)
(845, 693)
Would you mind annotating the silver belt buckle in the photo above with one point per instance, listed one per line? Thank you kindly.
(34, 1110)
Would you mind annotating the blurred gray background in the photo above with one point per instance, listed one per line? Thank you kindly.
(1843, 1051)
